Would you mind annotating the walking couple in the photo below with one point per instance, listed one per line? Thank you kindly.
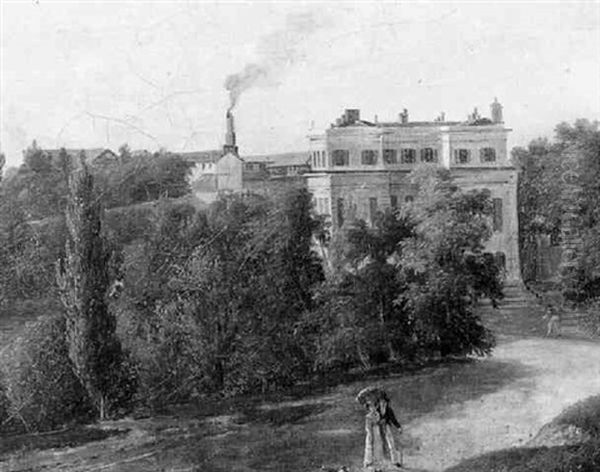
(380, 422)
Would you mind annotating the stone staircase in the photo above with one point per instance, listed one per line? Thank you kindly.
(521, 313)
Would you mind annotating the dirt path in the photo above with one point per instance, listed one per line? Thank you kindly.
(561, 372)
(450, 412)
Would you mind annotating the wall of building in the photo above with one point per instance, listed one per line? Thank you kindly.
(358, 189)
(229, 173)
(502, 184)
(442, 140)
(474, 139)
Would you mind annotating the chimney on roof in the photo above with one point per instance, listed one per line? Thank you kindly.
(230, 146)
(403, 117)
(496, 110)
(351, 116)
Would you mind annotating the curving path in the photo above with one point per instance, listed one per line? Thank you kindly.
(557, 373)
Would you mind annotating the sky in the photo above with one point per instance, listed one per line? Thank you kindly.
(162, 74)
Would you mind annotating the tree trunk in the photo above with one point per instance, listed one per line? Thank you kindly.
(364, 359)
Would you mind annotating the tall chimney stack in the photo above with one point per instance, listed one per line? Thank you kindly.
(230, 146)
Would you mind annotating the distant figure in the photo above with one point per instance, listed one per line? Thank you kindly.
(553, 317)
(380, 446)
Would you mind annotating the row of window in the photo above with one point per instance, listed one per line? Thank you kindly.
(322, 206)
(341, 157)
(463, 156)
(373, 207)
(255, 166)
(370, 157)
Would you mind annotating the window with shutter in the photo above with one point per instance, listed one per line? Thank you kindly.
(497, 202)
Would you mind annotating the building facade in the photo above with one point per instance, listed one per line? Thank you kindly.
(359, 168)
(222, 172)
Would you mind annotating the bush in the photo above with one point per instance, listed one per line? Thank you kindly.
(170, 358)
(585, 415)
(591, 320)
(41, 391)
(4, 403)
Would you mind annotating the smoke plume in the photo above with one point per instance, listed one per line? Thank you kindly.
(276, 51)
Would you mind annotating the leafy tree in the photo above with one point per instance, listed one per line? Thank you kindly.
(580, 145)
(143, 177)
(444, 265)
(539, 209)
(363, 323)
(41, 183)
(544, 203)
(83, 279)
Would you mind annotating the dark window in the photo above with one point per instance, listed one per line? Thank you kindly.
(500, 259)
(372, 209)
(409, 156)
(462, 156)
(368, 157)
(409, 198)
(497, 214)
(390, 156)
(487, 154)
(428, 155)
(394, 201)
(340, 211)
(341, 157)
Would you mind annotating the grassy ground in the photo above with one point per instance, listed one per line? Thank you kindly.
(293, 434)
(450, 411)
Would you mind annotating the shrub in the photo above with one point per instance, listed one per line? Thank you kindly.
(591, 320)
(584, 415)
(171, 364)
(4, 404)
(41, 390)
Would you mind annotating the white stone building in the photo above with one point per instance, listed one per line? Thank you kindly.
(364, 166)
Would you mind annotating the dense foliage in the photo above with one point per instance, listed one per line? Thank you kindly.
(164, 301)
(407, 285)
(218, 295)
(83, 280)
(556, 179)
(41, 390)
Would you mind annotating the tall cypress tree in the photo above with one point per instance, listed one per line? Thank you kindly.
(83, 280)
